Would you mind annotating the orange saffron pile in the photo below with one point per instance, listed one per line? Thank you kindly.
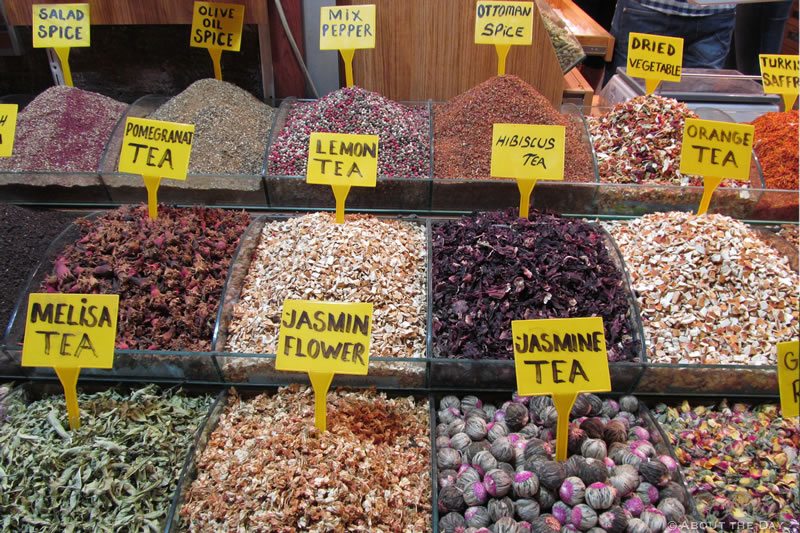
(776, 145)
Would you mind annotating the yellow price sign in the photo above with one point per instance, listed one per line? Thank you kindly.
(61, 27)
(217, 27)
(503, 24)
(342, 160)
(789, 377)
(716, 150)
(347, 29)
(654, 58)
(779, 75)
(69, 332)
(528, 153)
(156, 149)
(561, 357)
(323, 339)
(8, 128)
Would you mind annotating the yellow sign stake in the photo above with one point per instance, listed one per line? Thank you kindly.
(789, 377)
(324, 338)
(503, 24)
(780, 75)
(8, 128)
(69, 332)
(502, 54)
(61, 27)
(347, 29)
(561, 357)
(654, 58)
(217, 27)
(528, 153)
(347, 57)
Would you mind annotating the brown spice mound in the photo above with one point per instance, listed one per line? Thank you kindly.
(463, 129)
(268, 468)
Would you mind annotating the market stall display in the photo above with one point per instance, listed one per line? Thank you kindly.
(776, 145)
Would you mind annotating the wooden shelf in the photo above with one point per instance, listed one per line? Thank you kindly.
(596, 41)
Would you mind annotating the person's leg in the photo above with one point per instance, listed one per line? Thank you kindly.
(707, 40)
(747, 37)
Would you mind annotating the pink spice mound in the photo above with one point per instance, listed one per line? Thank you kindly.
(64, 129)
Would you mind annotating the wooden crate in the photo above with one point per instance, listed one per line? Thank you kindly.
(576, 89)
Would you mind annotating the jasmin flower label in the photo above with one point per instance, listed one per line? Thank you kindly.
(717, 149)
(654, 58)
(779, 75)
(789, 377)
(8, 126)
(216, 25)
(156, 148)
(60, 25)
(504, 23)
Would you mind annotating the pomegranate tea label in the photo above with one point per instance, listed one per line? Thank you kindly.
(156, 148)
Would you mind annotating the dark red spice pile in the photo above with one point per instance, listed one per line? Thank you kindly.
(168, 272)
(463, 129)
(776, 145)
(492, 268)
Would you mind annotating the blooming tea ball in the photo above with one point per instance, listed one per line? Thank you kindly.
(581, 407)
(498, 508)
(450, 522)
(502, 449)
(526, 509)
(448, 459)
(460, 441)
(638, 433)
(448, 415)
(600, 496)
(529, 431)
(583, 517)
(569, 528)
(647, 493)
(562, 512)
(484, 461)
(546, 498)
(593, 427)
(456, 426)
(451, 499)
(669, 462)
(442, 442)
(506, 524)
(615, 431)
(645, 447)
(614, 520)
(479, 412)
(545, 524)
(624, 478)
(538, 447)
(654, 519)
(475, 494)
(472, 450)
(468, 403)
(672, 509)
(449, 401)
(635, 525)
(525, 484)
(477, 516)
(654, 472)
(516, 416)
(592, 471)
(551, 474)
(674, 490)
(495, 430)
(442, 430)
(633, 505)
(629, 403)
(594, 448)
(575, 439)
(610, 408)
(572, 491)
(571, 465)
(476, 428)
(497, 483)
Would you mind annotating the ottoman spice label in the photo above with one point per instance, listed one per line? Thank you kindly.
(503, 24)
(654, 58)
(217, 27)
(8, 126)
(61, 26)
(779, 75)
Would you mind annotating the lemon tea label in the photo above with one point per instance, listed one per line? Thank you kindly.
(504, 23)
(324, 337)
(526, 151)
(717, 149)
(347, 27)
(342, 159)
(60, 25)
(216, 25)
(8, 128)
(70, 330)
(789, 377)
(654, 57)
(156, 148)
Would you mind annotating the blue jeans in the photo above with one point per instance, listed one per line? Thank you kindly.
(705, 39)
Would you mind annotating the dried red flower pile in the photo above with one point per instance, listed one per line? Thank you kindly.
(168, 272)
(268, 468)
(776, 145)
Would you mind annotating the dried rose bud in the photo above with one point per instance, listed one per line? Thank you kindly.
(600, 496)
(610, 408)
(460, 441)
(516, 416)
(497, 483)
(526, 509)
(545, 524)
(654, 519)
(450, 522)
(593, 471)
(551, 474)
(502, 449)
(451, 499)
(449, 401)
(647, 493)
(484, 460)
(477, 516)
(498, 508)
(624, 478)
(669, 462)
(629, 403)
(593, 427)
(475, 494)
(672, 509)
(495, 431)
(448, 459)
(594, 448)
(505, 525)
(525, 484)
(572, 491)
(614, 520)
(615, 431)
(654, 472)
(561, 511)
(633, 505)
(583, 517)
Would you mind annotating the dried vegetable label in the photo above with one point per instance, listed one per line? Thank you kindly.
(779, 75)
(217, 25)
(504, 23)
(347, 27)
(717, 149)
(156, 148)
(8, 126)
(526, 151)
(60, 25)
(70, 330)
(789, 377)
(324, 337)
(654, 57)
(342, 159)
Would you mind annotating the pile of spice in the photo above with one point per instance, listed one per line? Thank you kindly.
(231, 127)
(739, 462)
(404, 132)
(463, 129)
(25, 235)
(169, 272)
(639, 141)
(497, 469)
(568, 49)
(268, 468)
(64, 129)
(492, 268)
(365, 259)
(119, 471)
(776, 145)
(709, 290)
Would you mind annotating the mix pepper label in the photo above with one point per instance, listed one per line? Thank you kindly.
(156, 148)
(8, 128)
(526, 151)
(342, 159)
(324, 337)
(60, 25)
(217, 25)
(717, 149)
(347, 27)
(70, 330)
(789, 377)
(654, 57)
(504, 23)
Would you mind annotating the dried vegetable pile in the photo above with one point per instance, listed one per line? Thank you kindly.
(463, 129)
(639, 141)
(25, 235)
(119, 471)
(497, 469)
(231, 127)
(168, 272)
(404, 132)
(365, 259)
(739, 462)
(268, 468)
(492, 268)
(776, 145)
(709, 290)
(64, 130)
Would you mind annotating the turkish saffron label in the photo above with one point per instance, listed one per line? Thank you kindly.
(342, 159)
(654, 57)
(504, 23)
(8, 128)
(717, 149)
(60, 25)
(70, 330)
(779, 73)
(526, 151)
(789, 377)
(216, 25)
(347, 27)
(156, 148)
(324, 337)
(560, 355)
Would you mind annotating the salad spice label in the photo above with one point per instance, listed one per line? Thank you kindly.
(776, 145)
